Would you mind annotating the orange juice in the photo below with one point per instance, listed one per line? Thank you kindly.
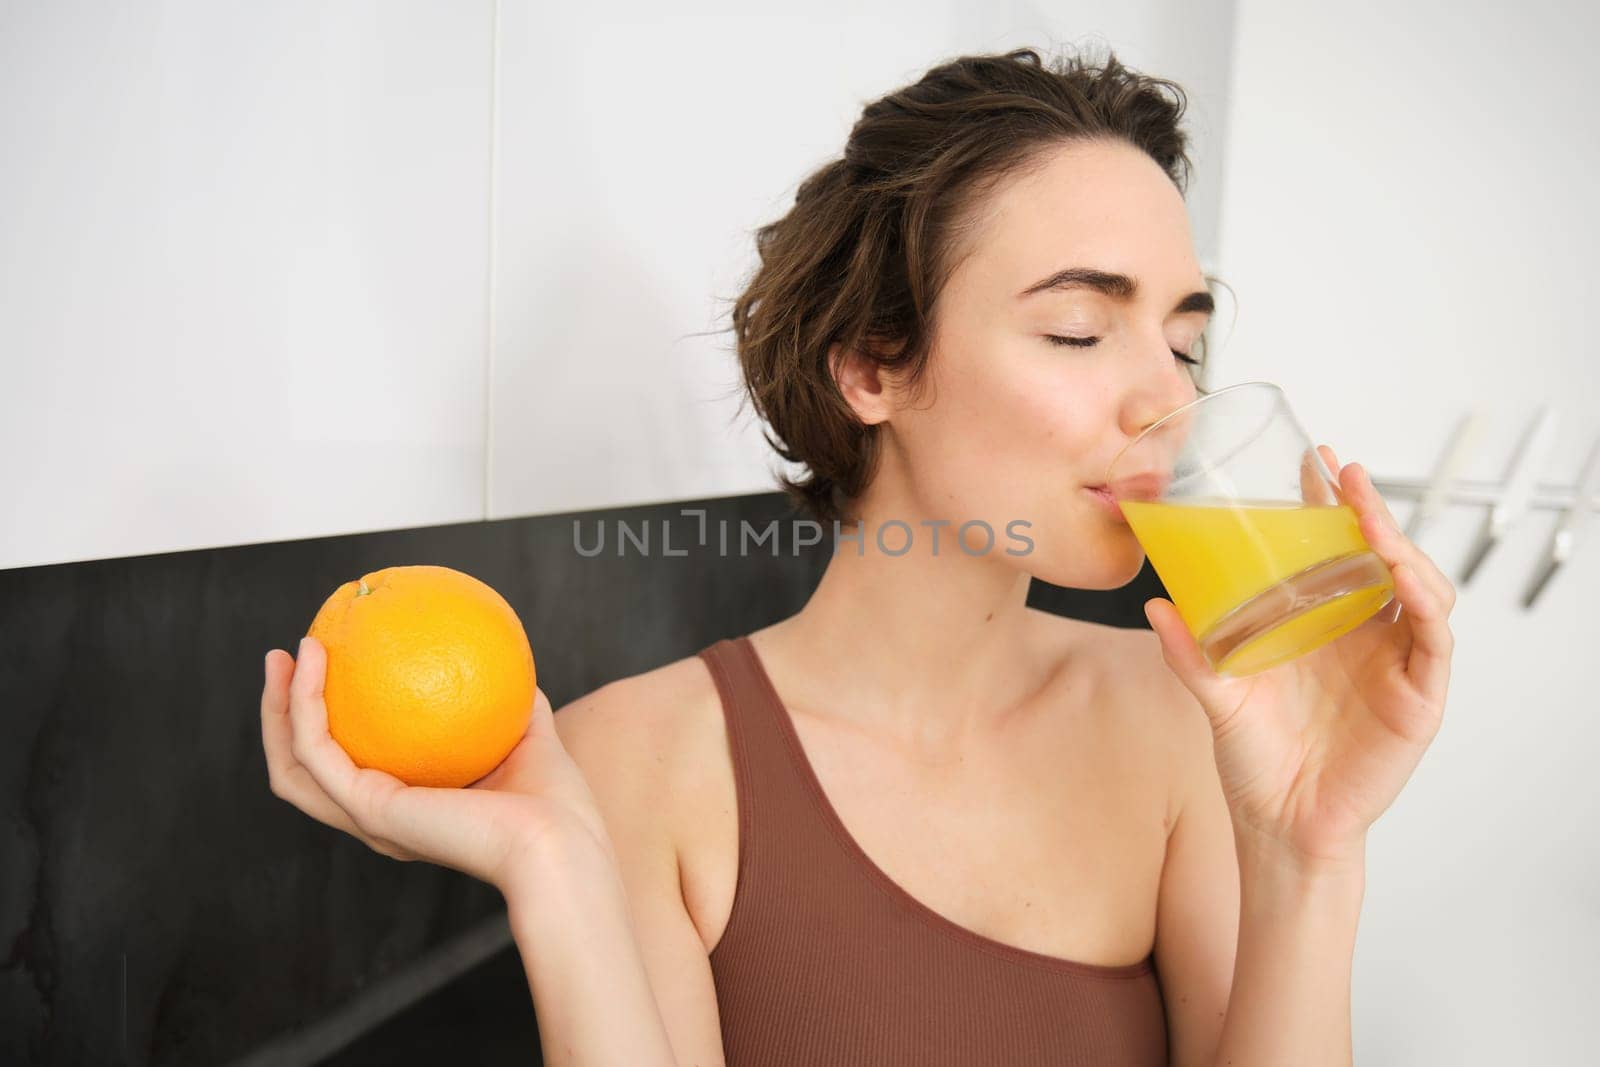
(1258, 583)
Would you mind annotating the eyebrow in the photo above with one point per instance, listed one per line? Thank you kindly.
(1114, 285)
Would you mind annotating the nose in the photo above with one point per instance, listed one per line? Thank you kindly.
(1157, 395)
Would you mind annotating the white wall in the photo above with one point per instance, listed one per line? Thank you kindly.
(1410, 224)
(637, 151)
(243, 272)
(282, 271)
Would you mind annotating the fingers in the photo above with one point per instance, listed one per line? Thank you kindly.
(1432, 641)
(514, 769)
(1331, 459)
(1314, 485)
(1185, 659)
(543, 720)
(1383, 533)
(287, 778)
(360, 793)
(1420, 586)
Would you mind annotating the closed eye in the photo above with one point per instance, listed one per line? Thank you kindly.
(1088, 342)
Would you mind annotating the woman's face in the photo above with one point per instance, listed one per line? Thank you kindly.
(1015, 425)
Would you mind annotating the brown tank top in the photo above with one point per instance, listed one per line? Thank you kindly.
(827, 961)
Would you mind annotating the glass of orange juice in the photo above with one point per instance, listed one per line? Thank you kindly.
(1244, 524)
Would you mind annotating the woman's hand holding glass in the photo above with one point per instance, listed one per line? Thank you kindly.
(1312, 751)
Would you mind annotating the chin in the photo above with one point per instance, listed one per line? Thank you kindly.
(1090, 560)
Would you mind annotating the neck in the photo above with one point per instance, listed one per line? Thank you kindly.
(922, 647)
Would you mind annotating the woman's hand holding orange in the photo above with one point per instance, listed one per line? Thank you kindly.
(534, 807)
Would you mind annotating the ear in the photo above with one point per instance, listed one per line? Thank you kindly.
(861, 382)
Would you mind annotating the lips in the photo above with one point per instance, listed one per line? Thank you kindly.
(1142, 485)
(1104, 500)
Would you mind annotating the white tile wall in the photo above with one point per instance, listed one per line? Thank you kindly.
(242, 272)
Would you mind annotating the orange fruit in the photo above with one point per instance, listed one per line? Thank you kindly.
(430, 676)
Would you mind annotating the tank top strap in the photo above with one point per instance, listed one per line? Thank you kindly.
(776, 811)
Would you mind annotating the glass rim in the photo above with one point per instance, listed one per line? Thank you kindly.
(1202, 398)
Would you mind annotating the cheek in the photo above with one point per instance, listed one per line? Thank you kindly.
(998, 444)
(978, 417)
(953, 439)
(1056, 420)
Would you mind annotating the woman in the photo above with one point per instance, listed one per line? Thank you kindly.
(918, 822)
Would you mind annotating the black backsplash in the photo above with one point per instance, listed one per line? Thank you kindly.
(159, 905)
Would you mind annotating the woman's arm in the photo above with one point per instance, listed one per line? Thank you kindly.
(569, 915)
(1307, 755)
(611, 951)
(1254, 947)
(1290, 1001)
(590, 876)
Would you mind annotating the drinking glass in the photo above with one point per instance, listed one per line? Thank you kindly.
(1242, 521)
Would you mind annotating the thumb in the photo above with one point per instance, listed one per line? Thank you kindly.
(542, 723)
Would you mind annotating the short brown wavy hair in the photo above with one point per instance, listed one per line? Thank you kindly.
(873, 236)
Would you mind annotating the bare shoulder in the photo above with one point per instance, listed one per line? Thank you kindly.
(1125, 662)
(1148, 699)
(1184, 730)
(1152, 683)
(636, 739)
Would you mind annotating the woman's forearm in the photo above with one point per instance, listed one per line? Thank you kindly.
(591, 994)
(1290, 1001)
